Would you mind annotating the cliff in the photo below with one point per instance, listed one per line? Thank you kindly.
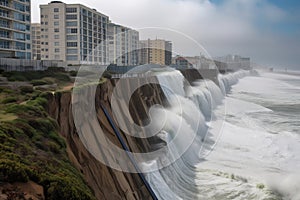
(106, 183)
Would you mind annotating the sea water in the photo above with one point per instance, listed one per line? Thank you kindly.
(247, 139)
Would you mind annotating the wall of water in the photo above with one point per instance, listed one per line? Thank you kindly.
(184, 129)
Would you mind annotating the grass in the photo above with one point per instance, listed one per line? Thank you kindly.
(7, 117)
(40, 78)
(32, 150)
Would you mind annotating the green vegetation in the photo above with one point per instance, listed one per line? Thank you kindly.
(38, 78)
(31, 148)
(38, 82)
(9, 100)
(260, 186)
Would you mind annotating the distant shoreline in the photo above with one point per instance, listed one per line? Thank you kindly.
(288, 72)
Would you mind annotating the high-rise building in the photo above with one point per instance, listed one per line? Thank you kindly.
(15, 41)
(73, 33)
(36, 41)
(123, 45)
(155, 52)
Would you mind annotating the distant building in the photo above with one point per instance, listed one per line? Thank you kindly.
(235, 62)
(36, 41)
(155, 52)
(193, 62)
(123, 45)
(15, 41)
(182, 62)
(73, 33)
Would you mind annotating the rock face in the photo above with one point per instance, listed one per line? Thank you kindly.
(106, 183)
(29, 190)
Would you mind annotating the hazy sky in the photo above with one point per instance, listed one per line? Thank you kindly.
(266, 30)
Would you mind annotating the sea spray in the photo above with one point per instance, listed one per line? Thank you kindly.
(190, 110)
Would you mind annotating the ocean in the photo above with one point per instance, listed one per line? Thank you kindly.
(249, 147)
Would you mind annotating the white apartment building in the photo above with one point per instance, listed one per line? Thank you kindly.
(36, 41)
(73, 33)
(123, 45)
(15, 19)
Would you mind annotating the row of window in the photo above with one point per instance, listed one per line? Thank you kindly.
(21, 27)
(56, 23)
(68, 10)
(21, 17)
(21, 7)
(57, 16)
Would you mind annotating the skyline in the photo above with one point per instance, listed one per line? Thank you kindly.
(266, 31)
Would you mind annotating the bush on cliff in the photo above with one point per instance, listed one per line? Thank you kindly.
(31, 149)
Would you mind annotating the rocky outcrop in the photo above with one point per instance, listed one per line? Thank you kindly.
(106, 183)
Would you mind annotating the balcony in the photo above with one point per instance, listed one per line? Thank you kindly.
(12, 48)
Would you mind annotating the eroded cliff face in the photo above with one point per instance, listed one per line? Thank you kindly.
(106, 183)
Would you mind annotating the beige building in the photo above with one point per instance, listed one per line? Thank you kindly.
(36, 41)
(155, 52)
(73, 33)
(123, 45)
(15, 19)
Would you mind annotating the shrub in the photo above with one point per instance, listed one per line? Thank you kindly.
(53, 147)
(54, 136)
(26, 89)
(56, 69)
(9, 100)
(26, 109)
(13, 171)
(25, 127)
(17, 78)
(49, 80)
(62, 77)
(38, 82)
(73, 73)
(260, 186)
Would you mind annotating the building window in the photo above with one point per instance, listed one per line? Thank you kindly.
(56, 9)
(71, 10)
(56, 36)
(19, 6)
(56, 50)
(56, 16)
(71, 44)
(56, 30)
(71, 23)
(72, 51)
(57, 57)
(71, 37)
(71, 30)
(72, 57)
(56, 44)
(71, 16)
(56, 23)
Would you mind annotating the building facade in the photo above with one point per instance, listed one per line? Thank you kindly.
(15, 19)
(73, 33)
(235, 62)
(155, 52)
(123, 45)
(36, 41)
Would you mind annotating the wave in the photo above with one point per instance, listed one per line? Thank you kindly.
(191, 110)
